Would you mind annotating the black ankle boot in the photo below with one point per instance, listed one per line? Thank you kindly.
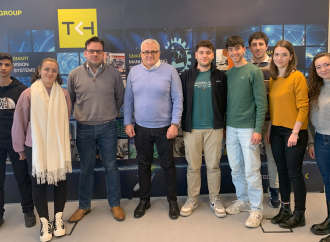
(297, 219)
(322, 228)
(326, 239)
(284, 214)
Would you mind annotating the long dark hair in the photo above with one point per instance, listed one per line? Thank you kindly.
(292, 64)
(315, 82)
(36, 75)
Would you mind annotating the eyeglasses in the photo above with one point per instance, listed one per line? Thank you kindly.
(93, 51)
(153, 52)
(50, 70)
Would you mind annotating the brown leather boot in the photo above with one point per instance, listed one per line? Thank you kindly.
(78, 215)
(118, 213)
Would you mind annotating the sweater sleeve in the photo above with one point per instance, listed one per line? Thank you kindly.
(302, 101)
(68, 102)
(21, 121)
(128, 101)
(259, 93)
(311, 133)
(71, 88)
(177, 98)
(224, 96)
(119, 92)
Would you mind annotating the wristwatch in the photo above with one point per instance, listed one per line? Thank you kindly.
(177, 125)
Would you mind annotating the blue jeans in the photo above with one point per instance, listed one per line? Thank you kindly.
(244, 161)
(322, 155)
(105, 136)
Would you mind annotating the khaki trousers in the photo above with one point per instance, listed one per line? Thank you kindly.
(209, 140)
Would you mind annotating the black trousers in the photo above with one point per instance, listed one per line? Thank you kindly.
(289, 162)
(39, 192)
(144, 142)
(21, 173)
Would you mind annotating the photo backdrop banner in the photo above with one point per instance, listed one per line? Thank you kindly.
(36, 29)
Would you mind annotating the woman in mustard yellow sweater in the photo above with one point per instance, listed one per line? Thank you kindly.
(287, 132)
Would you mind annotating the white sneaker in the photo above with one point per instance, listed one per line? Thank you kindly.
(45, 230)
(218, 208)
(188, 207)
(237, 207)
(254, 219)
(59, 229)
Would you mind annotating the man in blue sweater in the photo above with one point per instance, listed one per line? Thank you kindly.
(154, 93)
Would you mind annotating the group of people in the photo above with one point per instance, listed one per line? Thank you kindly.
(207, 103)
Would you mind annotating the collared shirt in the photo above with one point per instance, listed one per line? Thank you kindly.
(155, 66)
(155, 97)
(97, 70)
(263, 64)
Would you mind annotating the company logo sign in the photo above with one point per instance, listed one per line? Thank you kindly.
(75, 26)
(10, 12)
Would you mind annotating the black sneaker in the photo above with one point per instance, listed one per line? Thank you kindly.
(30, 219)
(1, 220)
(274, 197)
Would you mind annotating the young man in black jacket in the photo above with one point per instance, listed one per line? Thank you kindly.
(204, 107)
(10, 90)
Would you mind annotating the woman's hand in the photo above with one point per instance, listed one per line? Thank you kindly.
(293, 139)
(22, 155)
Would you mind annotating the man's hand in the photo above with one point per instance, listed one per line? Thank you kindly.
(129, 130)
(22, 155)
(267, 136)
(311, 151)
(172, 132)
(256, 138)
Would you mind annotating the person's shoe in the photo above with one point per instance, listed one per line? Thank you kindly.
(297, 219)
(30, 219)
(218, 208)
(188, 207)
(78, 215)
(1, 220)
(174, 210)
(284, 214)
(59, 229)
(322, 228)
(254, 219)
(237, 207)
(326, 239)
(118, 213)
(274, 196)
(45, 230)
(141, 208)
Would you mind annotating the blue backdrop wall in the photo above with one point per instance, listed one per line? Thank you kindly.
(36, 29)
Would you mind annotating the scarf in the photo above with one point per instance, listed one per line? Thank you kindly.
(51, 157)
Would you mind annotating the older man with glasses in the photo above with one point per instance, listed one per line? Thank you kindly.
(97, 92)
(154, 93)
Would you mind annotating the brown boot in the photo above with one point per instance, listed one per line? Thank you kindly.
(78, 215)
(118, 213)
